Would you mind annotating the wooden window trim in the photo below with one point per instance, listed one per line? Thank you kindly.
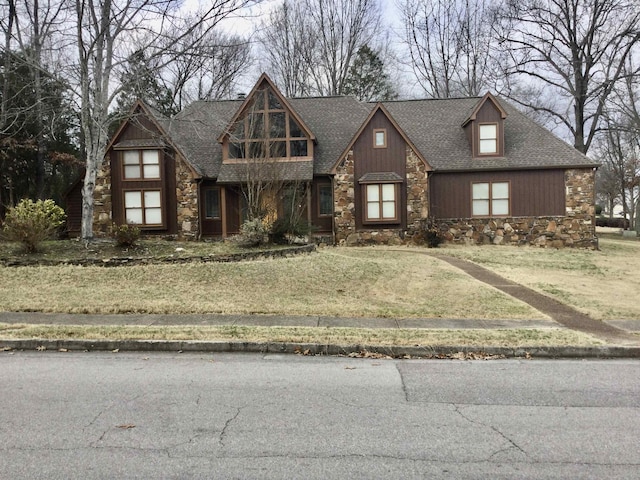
(491, 199)
(246, 140)
(396, 199)
(320, 214)
(141, 178)
(384, 134)
(497, 138)
(146, 226)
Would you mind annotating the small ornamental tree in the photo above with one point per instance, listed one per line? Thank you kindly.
(32, 222)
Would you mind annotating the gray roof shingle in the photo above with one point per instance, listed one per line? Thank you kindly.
(434, 127)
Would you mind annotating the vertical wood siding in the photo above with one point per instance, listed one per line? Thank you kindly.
(139, 130)
(532, 193)
(369, 160)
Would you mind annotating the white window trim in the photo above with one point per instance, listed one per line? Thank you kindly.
(490, 200)
(493, 138)
(380, 202)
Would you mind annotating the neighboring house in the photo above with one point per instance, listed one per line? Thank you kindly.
(475, 168)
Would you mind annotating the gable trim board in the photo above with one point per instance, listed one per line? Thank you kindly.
(421, 169)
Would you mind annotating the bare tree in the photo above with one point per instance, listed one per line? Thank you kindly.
(575, 50)
(449, 44)
(288, 43)
(209, 67)
(103, 29)
(310, 45)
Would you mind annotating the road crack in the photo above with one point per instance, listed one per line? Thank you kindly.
(511, 443)
(227, 424)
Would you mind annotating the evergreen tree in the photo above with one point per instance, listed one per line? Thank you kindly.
(141, 80)
(367, 79)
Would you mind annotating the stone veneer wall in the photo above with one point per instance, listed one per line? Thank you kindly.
(344, 205)
(186, 201)
(575, 228)
(102, 206)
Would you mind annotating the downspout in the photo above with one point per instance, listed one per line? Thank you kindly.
(199, 199)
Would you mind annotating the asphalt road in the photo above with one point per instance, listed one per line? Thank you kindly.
(116, 415)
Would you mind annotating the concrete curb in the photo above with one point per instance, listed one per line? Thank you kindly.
(468, 352)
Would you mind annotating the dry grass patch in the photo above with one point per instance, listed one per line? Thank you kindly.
(359, 282)
(329, 335)
(603, 284)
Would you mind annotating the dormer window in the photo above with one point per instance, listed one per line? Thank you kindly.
(488, 138)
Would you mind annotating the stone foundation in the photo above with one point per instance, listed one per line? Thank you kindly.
(554, 232)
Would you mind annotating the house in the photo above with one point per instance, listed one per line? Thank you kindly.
(477, 169)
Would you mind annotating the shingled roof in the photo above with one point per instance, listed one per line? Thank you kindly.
(433, 126)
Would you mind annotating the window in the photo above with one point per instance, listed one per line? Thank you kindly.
(267, 129)
(379, 138)
(325, 200)
(490, 199)
(488, 138)
(143, 207)
(212, 203)
(381, 202)
(141, 164)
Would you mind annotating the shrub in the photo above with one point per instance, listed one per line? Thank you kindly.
(32, 222)
(612, 222)
(429, 234)
(125, 235)
(284, 230)
(253, 233)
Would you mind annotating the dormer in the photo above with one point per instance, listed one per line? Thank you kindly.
(266, 127)
(485, 128)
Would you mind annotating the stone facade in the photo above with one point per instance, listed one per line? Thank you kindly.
(417, 205)
(576, 228)
(186, 201)
(102, 206)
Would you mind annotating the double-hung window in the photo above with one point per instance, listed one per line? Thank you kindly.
(141, 164)
(142, 187)
(143, 207)
(490, 199)
(381, 202)
(488, 138)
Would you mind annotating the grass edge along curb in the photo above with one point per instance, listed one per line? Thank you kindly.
(468, 352)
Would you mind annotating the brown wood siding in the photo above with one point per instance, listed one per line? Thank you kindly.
(488, 113)
(322, 224)
(139, 128)
(368, 159)
(232, 213)
(532, 193)
(167, 186)
(73, 209)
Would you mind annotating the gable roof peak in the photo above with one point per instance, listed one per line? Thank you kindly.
(488, 97)
(257, 88)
